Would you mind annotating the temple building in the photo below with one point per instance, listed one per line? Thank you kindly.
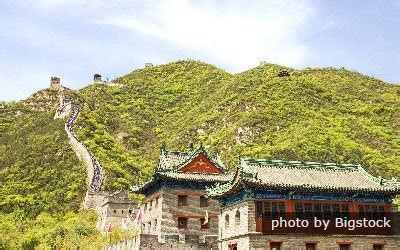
(177, 212)
(192, 202)
(263, 191)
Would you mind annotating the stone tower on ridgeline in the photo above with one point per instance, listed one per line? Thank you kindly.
(97, 78)
(55, 83)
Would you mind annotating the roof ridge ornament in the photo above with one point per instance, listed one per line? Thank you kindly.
(191, 147)
(201, 146)
(162, 161)
(245, 169)
(163, 147)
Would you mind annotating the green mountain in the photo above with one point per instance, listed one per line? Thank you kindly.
(323, 115)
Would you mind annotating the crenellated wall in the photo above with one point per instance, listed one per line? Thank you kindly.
(95, 176)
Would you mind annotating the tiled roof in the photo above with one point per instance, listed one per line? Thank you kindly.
(277, 174)
(171, 162)
(199, 177)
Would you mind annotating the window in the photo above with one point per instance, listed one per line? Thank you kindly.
(345, 211)
(267, 210)
(299, 210)
(381, 212)
(377, 246)
(226, 220)
(308, 209)
(336, 210)
(259, 206)
(368, 212)
(275, 245)
(203, 201)
(282, 210)
(232, 246)
(237, 218)
(182, 223)
(327, 211)
(204, 225)
(274, 210)
(182, 200)
(344, 246)
(311, 246)
(375, 214)
(361, 214)
(317, 211)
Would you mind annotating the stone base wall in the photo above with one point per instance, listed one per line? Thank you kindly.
(147, 241)
(113, 213)
(297, 242)
(94, 200)
(170, 209)
(236, 220)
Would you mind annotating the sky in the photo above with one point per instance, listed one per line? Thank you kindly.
(74, 39)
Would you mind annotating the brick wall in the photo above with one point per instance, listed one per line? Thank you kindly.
(162, 211)
(297, 242)
(171, 209)
(113, 213)
(153, 211)
(234, 220)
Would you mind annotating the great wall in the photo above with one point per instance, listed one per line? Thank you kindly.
(164, 224)
(95, 175)
(96, 198)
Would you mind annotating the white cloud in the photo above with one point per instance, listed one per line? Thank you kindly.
(76, 38)
(238, 35)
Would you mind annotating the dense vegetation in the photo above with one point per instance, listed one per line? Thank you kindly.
(327, 115)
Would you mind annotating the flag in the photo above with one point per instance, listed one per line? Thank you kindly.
(206, 218)
(139, 215)
(109, 229)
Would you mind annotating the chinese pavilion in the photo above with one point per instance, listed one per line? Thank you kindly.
(176, 209)
(263, 190)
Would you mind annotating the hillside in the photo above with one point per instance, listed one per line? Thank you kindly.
(326, 115)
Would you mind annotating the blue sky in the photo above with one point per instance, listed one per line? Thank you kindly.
(75, 39)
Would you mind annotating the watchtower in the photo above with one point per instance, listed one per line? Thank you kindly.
(283, 73)
(55, 82)
(115, 209)
(97, 78)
